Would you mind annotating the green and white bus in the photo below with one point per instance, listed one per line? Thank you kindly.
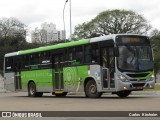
(118, 63)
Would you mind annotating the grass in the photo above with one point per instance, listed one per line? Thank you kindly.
(156, 88)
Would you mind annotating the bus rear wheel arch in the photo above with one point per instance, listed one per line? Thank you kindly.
(90, 89)
(32, 92)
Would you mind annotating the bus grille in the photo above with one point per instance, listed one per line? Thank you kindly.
(138, 84)
(138, 75)
(137, 79)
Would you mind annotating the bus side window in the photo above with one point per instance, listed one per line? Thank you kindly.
(34, 61)
(79, 55)
(45, 60)
(87, 54)
(95, 53)
(66, 57)
(17, 63)
(25, 62)
(9, 64)
(70, 56)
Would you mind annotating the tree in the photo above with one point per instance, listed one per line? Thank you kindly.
(39, 36)
(112, 22)
(155, 32)
(12, 37)
(11, 27)
(155, 41)
(12, 33)
(86, 30)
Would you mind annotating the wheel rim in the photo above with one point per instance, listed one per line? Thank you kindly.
(93, 89)
(32, 90)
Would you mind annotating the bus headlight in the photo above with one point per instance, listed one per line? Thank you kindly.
(123, 78)
(152, 78)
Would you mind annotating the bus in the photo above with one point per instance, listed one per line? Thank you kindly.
(116, 63)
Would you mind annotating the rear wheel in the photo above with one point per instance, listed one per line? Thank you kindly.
(91, 90)
(123, 94)
(32, 90)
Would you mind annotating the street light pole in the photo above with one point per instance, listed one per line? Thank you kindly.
(64, 19)
(70, 18)
(70, 22)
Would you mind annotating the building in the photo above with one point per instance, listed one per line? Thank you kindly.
(62, 35)
(36, 35)
(47, 33)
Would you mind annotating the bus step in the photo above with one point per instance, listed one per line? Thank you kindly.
(58, 92)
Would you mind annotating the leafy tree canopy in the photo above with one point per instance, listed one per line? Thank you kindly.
(112, 22)
(155, 41)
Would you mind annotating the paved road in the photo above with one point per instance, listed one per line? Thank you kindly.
(20, 102)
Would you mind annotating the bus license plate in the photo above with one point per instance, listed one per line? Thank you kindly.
(139, 88)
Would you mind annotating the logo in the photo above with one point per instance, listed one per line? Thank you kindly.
(6, 114)
(138, 80)
(21, 114)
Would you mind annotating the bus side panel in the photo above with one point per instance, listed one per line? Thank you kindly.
(74, 78)
(42, 79)
(96, 73)
(9, 82)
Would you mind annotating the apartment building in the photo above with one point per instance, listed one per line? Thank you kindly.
(47, 33)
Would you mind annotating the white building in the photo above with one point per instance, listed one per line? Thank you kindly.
(36, 35)
(47, 33)
(62, 35)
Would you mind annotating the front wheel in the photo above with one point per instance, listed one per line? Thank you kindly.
(123, 94)
(32, 90)
(91, 90)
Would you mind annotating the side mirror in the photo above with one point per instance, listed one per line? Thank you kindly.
(116, 51)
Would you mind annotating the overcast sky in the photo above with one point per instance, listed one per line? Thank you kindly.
(35, 12)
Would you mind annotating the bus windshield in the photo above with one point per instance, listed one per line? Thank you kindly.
(135, 58)
(135, 53)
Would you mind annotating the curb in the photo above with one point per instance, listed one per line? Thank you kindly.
(145, 93)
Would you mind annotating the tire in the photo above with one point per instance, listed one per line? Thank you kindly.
(39, 94)
(91, 90)
(61, 95)
(32, 90)
(123, 94)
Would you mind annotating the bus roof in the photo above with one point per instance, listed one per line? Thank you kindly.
(61, 45)
(109, 37)
(11, 54)
(102, 38)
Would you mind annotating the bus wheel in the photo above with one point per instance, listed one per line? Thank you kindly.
(32, 91)
(91, 90)
(61, 95)
(123, 94)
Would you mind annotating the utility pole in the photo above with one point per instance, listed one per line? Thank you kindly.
(70, 18)
(64, 19)
(70, 21)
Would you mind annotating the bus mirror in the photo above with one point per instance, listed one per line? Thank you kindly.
(116, 51)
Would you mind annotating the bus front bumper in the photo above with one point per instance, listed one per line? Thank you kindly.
(134, 86)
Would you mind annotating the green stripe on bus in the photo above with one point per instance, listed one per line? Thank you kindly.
(57, 46)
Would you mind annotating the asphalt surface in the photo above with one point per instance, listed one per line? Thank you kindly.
(20, 101)
(136, 102)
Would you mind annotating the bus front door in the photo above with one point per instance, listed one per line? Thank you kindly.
(107, 63)
(58, 71)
